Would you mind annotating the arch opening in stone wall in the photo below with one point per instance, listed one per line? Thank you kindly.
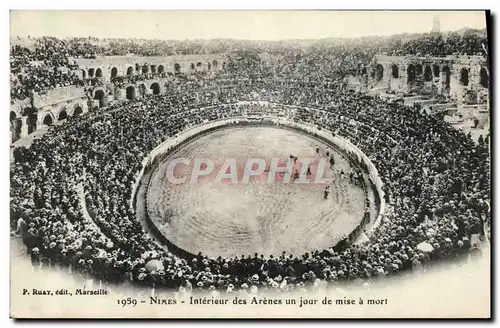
(153, 69)
(177, 68)
(436, 70)
(114, 72)
(418, 69)
(137, 67)
(130, 70)
(379, 72)
(395, 71)
(199, 66)
(47, 120)
(63, 114)
(130, 93)
(78, 111)
(15, 126)
(84, 74)
(427, 73)
(410, 73)
(98, 72)
(91, 72)
(142, 89)
(483, 77)
(193, 67)
(209, 66)
(214, 64)
(155, 87)
(32, 118)
(446, 77)
(99, 95)
(145, 69)
(464, 76)
(161, 69)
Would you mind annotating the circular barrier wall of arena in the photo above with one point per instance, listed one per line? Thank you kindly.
(229, 219)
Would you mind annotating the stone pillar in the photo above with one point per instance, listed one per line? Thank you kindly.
(474, 76)
(85, 107)
(94, 103)
(442, 80)
(121, 94)
(105, 101)
(386, 78)
(24, 126)
(403, 76)
(456, 88)
(106, 75)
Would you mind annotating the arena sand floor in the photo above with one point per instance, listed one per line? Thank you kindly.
(223, 219)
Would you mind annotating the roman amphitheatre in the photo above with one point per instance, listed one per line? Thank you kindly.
(93, 135)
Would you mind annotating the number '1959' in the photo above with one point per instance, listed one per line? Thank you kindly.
(127, 302)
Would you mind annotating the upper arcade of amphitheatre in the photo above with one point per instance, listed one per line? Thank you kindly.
(107, 67)
(456, 85)
(462, 81)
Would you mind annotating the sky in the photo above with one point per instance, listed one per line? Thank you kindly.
(254, 25)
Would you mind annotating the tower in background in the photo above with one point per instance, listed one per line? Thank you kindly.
(436, 26)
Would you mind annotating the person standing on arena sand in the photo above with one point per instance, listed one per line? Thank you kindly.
(326, 192)
(332, 162)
